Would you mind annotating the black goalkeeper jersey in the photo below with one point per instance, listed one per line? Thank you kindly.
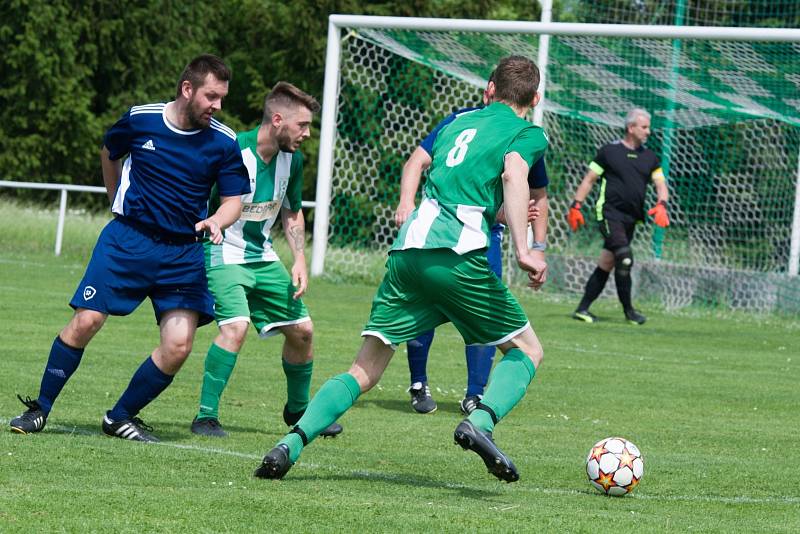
(624, 174)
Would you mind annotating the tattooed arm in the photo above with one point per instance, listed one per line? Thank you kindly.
(294, 226)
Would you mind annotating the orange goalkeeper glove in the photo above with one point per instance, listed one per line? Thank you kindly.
(659, 214)
(574, 216)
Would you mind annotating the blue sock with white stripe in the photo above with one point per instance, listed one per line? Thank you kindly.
(62, 362)
(146, 384)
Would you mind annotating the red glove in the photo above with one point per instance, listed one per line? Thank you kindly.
(574, 216)
(659, 214)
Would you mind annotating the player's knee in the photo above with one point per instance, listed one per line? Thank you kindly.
(177, 348)
(82, 327)
(234, 334)
(300, 335)
(623, 261)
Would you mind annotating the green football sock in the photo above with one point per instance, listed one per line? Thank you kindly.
(218, 368)
(334, 398)
(298, 385)
(507, 386)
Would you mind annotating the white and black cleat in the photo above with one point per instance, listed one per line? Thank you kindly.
(31, 420)
(133, 429)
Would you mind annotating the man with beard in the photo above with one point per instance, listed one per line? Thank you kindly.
(245, 275)
(177, 152)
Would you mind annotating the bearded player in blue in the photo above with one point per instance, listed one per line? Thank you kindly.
(177, 152)
(479, 358)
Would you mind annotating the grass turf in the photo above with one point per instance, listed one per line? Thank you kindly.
(711, 403)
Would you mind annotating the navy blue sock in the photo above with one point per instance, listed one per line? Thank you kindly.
(146, 384)
(418, 356)
(61, 363)
(479, 365)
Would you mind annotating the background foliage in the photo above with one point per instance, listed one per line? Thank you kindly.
(70, 69)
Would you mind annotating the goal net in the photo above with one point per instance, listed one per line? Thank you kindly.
(725, 121)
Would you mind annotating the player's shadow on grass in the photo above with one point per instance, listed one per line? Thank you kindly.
(404, 405)
(476, 492)
(162, 431)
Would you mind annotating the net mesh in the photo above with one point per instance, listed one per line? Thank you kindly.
(726, 122)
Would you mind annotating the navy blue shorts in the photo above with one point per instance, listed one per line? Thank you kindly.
(129, 263)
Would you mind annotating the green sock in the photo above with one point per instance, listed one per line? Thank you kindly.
(507, 386)
(218, 368)
(334, 398)
(298, 384)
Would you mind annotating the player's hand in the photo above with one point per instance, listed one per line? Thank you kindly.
(659, 214)
(534, 263)
(533, 211)
(212, 228)
(299, 278)
(574, 216)
(404, 209)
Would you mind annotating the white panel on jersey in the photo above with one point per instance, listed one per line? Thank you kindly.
(283, 168)
(418, 230)
(472, 235)
(233, 245)
(251, 164)
(124, 183)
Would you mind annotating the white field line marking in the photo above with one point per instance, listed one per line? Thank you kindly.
(777, 499)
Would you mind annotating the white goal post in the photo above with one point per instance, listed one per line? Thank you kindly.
(569, 32)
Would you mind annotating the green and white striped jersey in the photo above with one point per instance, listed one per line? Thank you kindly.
(273, 185)
(464, 188)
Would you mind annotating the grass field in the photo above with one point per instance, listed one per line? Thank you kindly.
(712, 404)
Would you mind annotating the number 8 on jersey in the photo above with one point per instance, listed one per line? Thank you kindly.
(459, 151)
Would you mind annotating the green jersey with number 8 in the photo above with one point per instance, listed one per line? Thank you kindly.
(464, 189)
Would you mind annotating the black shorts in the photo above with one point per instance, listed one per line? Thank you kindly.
(617, 234)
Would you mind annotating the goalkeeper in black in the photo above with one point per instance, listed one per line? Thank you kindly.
(624, 167)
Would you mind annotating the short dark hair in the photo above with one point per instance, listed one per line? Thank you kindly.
(200, 67)
(516, 80)
(286, 94)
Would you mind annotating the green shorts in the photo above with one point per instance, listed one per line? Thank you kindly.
(425, 288)
(258, 292)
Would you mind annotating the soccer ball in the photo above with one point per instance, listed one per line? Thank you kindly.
(615, 466)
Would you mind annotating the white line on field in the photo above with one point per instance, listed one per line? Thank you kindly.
(361, 473)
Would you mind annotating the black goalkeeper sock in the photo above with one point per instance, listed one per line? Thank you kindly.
(594, 286)
(624, 284)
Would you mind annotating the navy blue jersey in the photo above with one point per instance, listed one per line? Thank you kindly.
(537, 175)
(167, 179)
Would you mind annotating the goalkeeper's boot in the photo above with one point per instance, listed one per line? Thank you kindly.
(208, 427)
(133, 429)
(634, 317)
(421, 399)
(584, 315)
(275, 464)
(471, 438)
(291, 419)
(31, 420)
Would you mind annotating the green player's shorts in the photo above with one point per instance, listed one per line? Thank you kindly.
(425, 288)
(259, 292)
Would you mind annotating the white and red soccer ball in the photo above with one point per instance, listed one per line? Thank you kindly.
(615, 466)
